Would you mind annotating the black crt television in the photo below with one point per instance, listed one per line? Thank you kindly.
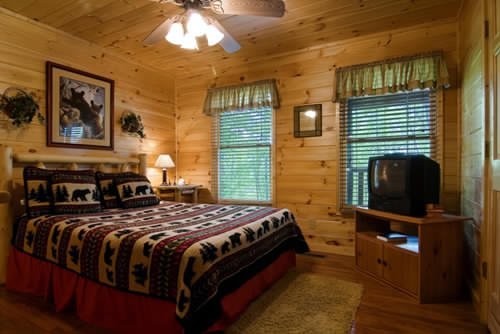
(403, 183)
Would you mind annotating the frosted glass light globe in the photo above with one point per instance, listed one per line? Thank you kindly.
(189, 42)
(176, 34)
(214, 35)
(196, 24)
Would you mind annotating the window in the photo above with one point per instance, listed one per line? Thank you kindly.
(244, 155)
(378, 125)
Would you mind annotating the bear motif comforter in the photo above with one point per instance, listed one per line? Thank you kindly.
(188, 253)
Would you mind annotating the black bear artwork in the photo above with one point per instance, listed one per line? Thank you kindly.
(89, 113)
(80, 195)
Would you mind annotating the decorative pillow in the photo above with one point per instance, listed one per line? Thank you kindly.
(37, 194)
(135, 191)
(107, 188)
(75, 192)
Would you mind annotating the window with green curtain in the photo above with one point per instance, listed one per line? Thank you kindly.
(244, 155)
(378, 125)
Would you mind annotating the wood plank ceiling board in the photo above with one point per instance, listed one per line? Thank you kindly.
(121, 25)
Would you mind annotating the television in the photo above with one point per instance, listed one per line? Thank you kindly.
(403, 183)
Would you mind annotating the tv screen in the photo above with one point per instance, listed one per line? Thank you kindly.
(389, 178)
(403, 183)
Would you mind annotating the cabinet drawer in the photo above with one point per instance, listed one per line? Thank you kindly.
(401, 268)
(369, 253)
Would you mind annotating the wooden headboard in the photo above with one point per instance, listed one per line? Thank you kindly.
(12, 187)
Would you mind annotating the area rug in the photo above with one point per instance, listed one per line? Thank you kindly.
(302, 303)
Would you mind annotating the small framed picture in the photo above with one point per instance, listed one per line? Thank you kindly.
(307, 120)
(80, 108)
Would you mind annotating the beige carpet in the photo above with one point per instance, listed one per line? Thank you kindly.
(302, 303)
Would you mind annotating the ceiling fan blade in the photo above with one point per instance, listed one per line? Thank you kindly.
(228, 43)
(272, 8)
(159, 32)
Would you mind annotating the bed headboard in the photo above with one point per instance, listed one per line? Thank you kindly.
(12, 188)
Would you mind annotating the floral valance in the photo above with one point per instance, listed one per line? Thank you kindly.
(390, 76)
(254, 95)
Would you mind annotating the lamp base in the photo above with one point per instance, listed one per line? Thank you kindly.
(165, 182)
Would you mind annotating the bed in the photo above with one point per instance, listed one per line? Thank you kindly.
(171, 267)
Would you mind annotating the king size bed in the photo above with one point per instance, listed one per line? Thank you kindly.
(165, 267)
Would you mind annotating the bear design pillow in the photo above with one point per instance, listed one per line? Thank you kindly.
(135, 191)
(75, 192)
(106, 185)
(37, 194)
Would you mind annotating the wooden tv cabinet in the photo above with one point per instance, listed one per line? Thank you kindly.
(428, 267)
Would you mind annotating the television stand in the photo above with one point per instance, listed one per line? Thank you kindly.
(428, 267)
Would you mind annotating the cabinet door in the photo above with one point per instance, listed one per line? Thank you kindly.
(369, 253)
(401, 268)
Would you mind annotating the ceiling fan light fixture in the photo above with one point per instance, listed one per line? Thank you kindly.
(189, 42)
(175, 34)
(214, 35)
(196, 24)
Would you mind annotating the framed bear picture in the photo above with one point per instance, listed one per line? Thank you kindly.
(80, 108)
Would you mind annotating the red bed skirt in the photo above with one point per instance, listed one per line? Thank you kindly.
(121, 311)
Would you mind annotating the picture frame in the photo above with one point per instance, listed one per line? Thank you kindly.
(80, 109)
(308, 120)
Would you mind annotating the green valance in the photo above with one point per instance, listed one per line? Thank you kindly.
(391, 76)
(259, 94)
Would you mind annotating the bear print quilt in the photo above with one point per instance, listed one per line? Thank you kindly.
(192, 254)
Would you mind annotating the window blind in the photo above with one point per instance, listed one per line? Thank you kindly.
(242, 155)
(378, 125)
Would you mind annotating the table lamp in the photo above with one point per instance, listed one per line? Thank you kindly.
(164, 161)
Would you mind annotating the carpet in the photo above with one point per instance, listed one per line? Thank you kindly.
(302, 303)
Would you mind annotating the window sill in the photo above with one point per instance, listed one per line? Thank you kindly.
(250, 203)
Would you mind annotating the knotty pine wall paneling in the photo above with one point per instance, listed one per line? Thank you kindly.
(26, 45)
(473, 110)
(307, 173)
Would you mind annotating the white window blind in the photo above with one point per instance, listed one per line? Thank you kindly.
(378, 125)
(243, 156)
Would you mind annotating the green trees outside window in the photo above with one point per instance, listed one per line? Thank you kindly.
(245, 155)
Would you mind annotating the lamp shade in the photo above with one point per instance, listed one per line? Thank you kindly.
(164, 161)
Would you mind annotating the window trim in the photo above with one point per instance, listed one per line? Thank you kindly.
(348, 211)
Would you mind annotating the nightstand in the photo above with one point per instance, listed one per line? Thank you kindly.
(176, 192)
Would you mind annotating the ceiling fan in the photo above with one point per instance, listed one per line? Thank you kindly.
(183, 29)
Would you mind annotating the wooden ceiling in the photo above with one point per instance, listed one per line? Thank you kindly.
(121, 25)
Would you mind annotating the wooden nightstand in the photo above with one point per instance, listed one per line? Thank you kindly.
(176, 192)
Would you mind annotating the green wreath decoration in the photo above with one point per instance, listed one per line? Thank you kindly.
(132, 124)
(20, 106)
